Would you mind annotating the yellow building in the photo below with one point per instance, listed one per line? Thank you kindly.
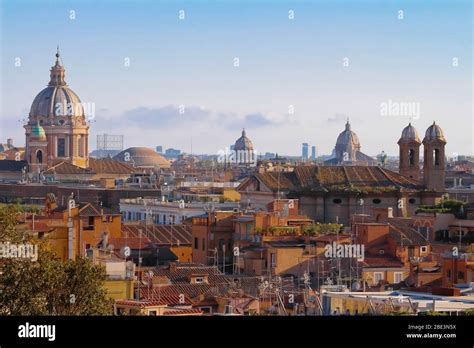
(78, 227)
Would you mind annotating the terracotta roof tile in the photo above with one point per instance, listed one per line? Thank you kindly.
(187, 311)
(381, 261)
(161, 234)
(322, 178)
(101, 165)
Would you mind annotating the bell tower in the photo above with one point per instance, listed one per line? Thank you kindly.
(434, 158)
(409, 145)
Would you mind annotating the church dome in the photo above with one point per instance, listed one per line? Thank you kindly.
(243, 143)
(410, 133)
(142, 157)
(434, 132)
(38, 132)
(348, 138)
(57, 99)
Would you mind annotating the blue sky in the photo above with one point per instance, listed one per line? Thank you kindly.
(283, 63)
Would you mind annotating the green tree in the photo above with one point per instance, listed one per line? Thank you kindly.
(9, 227)
(48, 286)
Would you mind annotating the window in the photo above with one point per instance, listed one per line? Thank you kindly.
(378, 276)
(460, 275)
(273, 260)
(412, 201)
(228, 309)
(153, 313)
(436, 157)
(206, 309)
(39, 156)
(337, 201)
(248, 228)
(424, 249)
(397, 278)
(411, 157)
(61, 147)
(203, 244)
(196, 243)
(449, 273)
(199, 280)
(376, 201)
(222, 245)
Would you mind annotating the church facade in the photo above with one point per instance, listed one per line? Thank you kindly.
(330, 193)
(57, 130)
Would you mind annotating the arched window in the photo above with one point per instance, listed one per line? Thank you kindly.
(61, 147)
(39, 156)
(436, 157)
(411, 157)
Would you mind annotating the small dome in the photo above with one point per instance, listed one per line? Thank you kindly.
(410, 133)
(38, 132)
(243, 143)
(142, 157)
(348, 137)
(434, 132)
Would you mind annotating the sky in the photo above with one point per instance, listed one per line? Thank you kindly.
(304, 68)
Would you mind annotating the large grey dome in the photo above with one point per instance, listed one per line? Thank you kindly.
(57, 99)
(243, 143)
(348, 138)
(142, 157)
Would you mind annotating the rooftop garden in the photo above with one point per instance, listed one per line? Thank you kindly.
(317, 229)
(452, 206)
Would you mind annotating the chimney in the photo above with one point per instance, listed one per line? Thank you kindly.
(173, 266)
(390, 212)
(10, 142)
(105, 240)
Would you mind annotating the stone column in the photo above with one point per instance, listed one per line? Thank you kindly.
(86, 146)
(73, 146)
(55, 146)
(68, 146)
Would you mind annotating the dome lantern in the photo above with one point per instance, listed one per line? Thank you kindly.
(57, 72)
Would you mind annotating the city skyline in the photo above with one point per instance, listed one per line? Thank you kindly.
(285, 65)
